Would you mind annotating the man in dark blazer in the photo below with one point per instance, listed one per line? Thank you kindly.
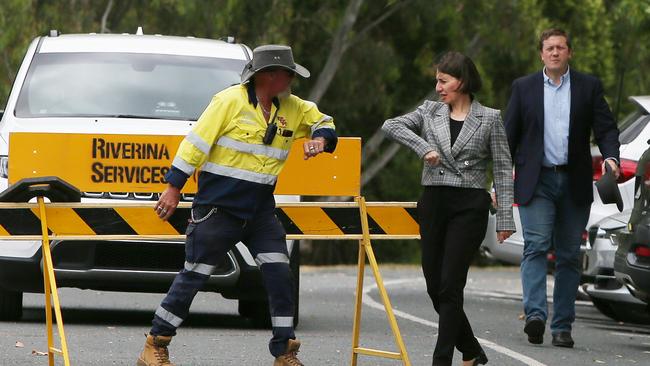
(549, 121)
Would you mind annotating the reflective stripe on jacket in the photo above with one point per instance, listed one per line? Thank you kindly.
(238, 171)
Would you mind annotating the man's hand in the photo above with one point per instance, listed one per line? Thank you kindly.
(503, 235)
(313, 147)
(613, 165)
(432, 157)
(168, 202)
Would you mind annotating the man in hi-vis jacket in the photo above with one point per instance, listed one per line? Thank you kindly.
(240, 144)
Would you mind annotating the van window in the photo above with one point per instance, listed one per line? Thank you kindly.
(123, 84)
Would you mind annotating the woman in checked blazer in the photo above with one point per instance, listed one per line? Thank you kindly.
(456, 137)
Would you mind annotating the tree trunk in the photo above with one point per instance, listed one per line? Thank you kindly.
(7, 63)
(107, 11)
(333, 252)
(336, 52)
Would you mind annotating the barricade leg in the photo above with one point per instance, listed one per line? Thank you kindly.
(48, 313)
(51, 295)
(357, 304)
(366, 245)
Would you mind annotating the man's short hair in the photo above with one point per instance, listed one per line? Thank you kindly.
(553, 32)
(462, 68)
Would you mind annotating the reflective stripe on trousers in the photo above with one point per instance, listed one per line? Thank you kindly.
(207, 242)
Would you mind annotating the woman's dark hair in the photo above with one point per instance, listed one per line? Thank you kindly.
(462, 68)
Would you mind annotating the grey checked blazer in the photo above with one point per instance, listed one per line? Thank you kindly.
(481, 139)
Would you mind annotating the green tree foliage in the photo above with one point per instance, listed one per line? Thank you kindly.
(631, 46)
(387, 48)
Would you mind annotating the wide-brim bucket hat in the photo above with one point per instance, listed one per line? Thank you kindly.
(272, 55)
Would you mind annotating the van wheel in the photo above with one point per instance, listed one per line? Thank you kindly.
(11, 305)
(258, 310)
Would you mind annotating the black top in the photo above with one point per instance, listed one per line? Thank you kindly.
(454, 129)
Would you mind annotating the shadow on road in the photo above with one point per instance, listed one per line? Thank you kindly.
(95, 316)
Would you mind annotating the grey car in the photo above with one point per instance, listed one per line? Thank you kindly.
(608, 294)
(632, 259)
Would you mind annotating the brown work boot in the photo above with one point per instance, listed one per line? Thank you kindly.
(155, 352)
(289, 358)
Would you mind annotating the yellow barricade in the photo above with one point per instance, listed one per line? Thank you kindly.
(138, 163)
(336, 174)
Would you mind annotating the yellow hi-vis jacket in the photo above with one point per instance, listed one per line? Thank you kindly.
(238, 171)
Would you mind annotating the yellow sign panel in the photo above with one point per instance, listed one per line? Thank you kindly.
(96, 163)
(336, 174)
(138, 163)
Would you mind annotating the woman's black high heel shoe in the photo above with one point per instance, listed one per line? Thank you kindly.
(481, 359)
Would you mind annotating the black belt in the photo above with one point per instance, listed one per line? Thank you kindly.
(557, 168)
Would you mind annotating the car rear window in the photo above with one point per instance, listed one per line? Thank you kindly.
(632, 129)
(123, 84)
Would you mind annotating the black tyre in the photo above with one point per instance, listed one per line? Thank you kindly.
(258, 310)
(11, 305)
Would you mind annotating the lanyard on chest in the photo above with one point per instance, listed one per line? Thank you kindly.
(272, 127)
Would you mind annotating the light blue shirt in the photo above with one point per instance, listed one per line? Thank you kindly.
(557, 112)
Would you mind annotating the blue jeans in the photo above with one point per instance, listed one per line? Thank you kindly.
(551, 220)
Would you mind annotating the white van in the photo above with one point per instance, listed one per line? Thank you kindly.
(121, 84)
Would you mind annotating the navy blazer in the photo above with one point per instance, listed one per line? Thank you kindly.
(524, 124)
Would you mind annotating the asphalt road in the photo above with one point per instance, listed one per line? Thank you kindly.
(108, 328)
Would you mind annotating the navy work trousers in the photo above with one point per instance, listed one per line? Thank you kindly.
(210, 235)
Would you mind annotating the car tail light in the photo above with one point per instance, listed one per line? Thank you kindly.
(642, 252)
(596, 166)
(628, 169)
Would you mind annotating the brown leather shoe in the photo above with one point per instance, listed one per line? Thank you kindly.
(155, 352)
(289, 358)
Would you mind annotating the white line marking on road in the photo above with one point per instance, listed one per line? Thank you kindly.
(517, 296)
(630, 334)
(369, 301)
